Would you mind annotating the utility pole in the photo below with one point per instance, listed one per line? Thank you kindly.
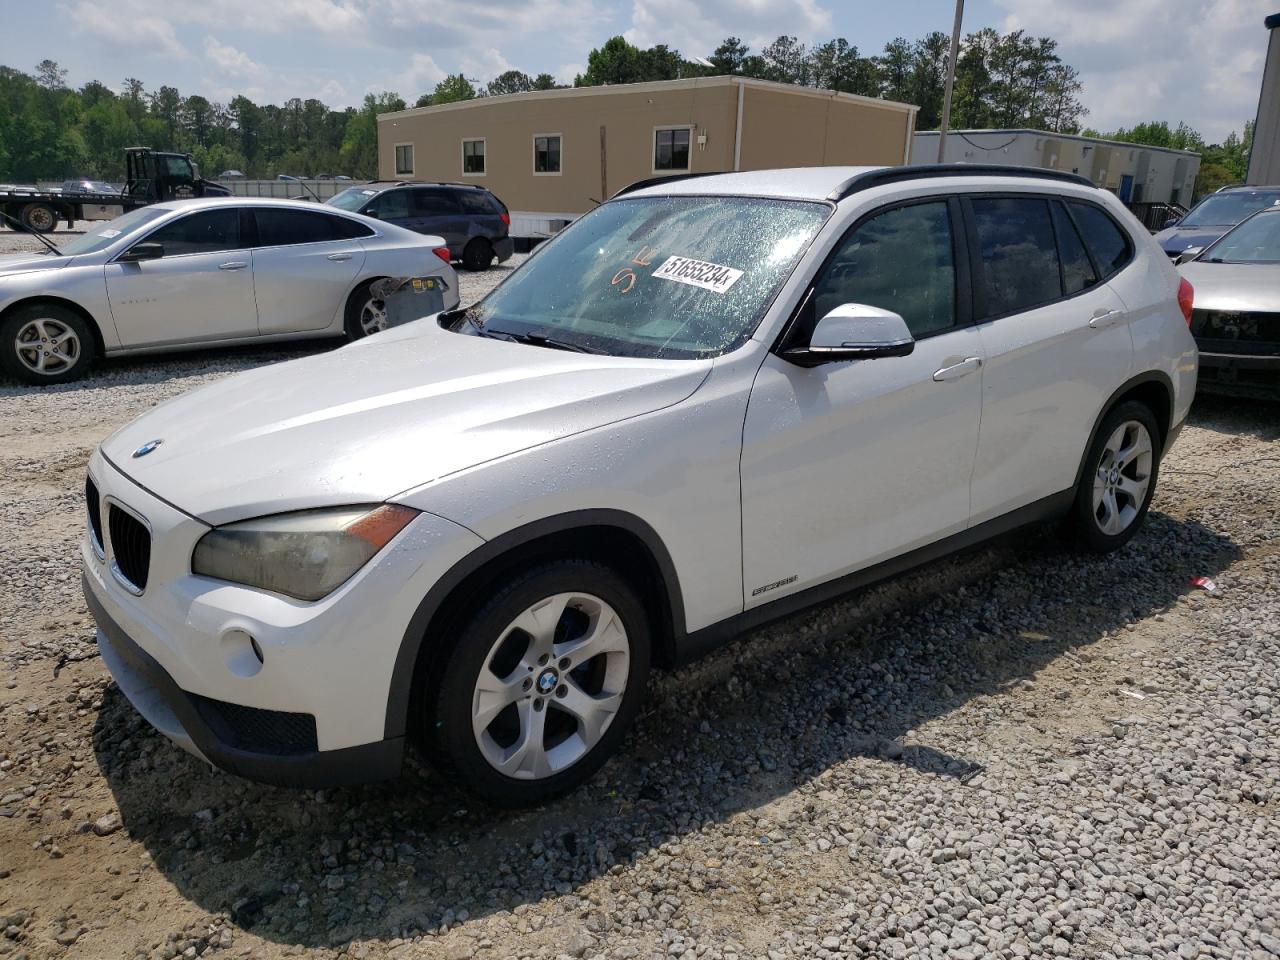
(951, 82)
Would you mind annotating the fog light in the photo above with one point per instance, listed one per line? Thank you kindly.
(243, 655)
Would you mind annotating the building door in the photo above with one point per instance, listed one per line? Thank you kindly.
(1126, 187)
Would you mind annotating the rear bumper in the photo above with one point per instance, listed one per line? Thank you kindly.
(504, 248)
(268, 748)
(1244, 375)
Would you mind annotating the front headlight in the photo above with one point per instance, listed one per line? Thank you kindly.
(306, 555)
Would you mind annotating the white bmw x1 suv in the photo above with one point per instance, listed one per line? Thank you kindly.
(709, 402)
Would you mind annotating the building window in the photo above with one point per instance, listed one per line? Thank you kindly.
(404, 159)
(546, 153)
(671, 149)
(473, 158)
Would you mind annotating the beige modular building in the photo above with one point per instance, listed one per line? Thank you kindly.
(550, 155)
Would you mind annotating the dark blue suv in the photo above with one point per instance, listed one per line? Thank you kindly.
(473, 222)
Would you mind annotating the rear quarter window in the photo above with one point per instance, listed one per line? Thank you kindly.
(1105, 239)
(477, 202)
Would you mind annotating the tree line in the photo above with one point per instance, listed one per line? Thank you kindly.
(50, 131)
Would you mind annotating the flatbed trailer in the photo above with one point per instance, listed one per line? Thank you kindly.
(151, 177)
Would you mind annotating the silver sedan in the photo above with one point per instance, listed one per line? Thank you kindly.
(1236, 320)
(198, 273)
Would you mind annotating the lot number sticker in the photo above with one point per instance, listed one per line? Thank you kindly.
(698, 273)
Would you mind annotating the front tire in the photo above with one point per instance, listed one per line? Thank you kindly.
(542, 684)
(45, 343)
(1119, 478)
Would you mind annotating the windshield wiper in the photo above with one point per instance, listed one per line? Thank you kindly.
(540, 340)
(22, 227)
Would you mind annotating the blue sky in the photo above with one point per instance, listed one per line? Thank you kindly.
(1194, 60)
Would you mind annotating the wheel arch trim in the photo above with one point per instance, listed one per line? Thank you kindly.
(1164, 418)
(95, 326)
(415, 637)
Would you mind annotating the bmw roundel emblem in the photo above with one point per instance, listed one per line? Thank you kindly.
(547, 681)
(146, 448)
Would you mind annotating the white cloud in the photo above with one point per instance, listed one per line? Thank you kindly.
(697, 29)
(1144, 60)
(232, 61)
(127, 25)
(484, 65)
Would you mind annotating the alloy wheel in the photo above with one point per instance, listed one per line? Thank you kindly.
(373, 316)
(550, 686)
(47, 346)
(1123, 478)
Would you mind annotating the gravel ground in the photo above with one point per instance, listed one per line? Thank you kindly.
(1020, 752)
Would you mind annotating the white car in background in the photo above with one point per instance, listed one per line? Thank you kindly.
(707, 403)
(201, 273)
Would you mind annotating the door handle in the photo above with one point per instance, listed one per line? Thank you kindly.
(958, 370)
(1105, 318)
(339, 256)
(233, 265)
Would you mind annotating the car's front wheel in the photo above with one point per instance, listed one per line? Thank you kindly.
(1119, 478)
(543, 682)
(45, 343)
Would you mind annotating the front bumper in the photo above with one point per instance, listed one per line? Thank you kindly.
(1241, 375)
(210, 731)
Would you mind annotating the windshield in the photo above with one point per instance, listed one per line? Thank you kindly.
(1224, 209)
(108, 233)
(669, 277)
(1257, 240)
(353, 198)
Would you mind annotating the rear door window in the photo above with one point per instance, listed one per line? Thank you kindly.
(1108, 243)
(433, 203)
(1019, 256)
(206, 232)
(281, 228)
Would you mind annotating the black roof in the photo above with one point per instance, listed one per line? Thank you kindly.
(928, 171)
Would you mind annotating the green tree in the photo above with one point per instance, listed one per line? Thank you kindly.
(359, 152)
(513, 81)
(614, 61)
(787, 61)
(836, 65)
(729, 56)
(50, 76)
(545, 81)
(452, 89)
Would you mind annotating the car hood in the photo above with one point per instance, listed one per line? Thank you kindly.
(373, 419)
(15, 263)
(1177, 239)
(1234, 286)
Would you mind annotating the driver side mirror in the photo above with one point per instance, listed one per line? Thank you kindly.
(371, 212)
(854, 331)
(142, 251)
(1187, 255)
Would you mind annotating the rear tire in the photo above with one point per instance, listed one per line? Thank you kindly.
(39, 218)
(1119, 478)
(365, 314)
(542, 684)
(45, 343)
(478, 255)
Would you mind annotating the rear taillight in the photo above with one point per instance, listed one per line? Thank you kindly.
(443, 254)
(506, 218)
(1186, 295)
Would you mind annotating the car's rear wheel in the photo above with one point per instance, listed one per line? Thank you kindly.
(39, 218)
(542, 684)
(477, 255)
(1119, 478)
(45, 343)
(365, 313)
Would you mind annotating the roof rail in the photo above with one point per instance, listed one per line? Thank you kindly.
(883, 175)
(670, 178)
